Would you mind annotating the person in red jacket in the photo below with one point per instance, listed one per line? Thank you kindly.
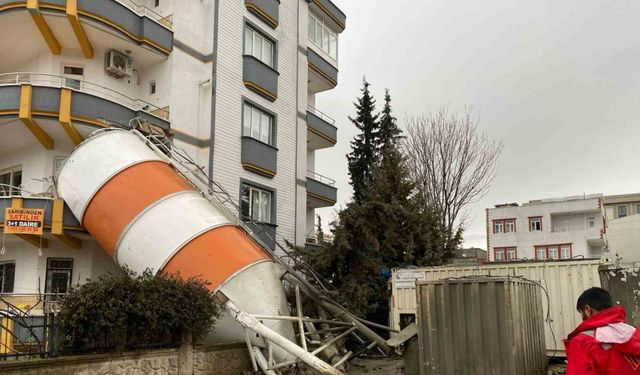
(603, 343)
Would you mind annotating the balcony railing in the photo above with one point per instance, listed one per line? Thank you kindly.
(58, 81)
(320, 178)
(321, 115)
(142, 10)
(569, 228)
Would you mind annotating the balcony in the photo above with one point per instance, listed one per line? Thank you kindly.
(593, 235)
(58, 222)
(50, 105)
(91, 26)
(321, 191)
(260, 78)
(321, 130)
(265, 10)
(323, 75)
(259, 157)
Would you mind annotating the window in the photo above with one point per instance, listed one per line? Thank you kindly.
(10, 182)
(502, 254)
(562, 251)
(152, 87)
(553, 252)
(591, 222)
(509, 226)
(565, 251)
(258, 46)
(58, 276)
(498, 226)
(322, 36)
(257, 124)
(637, 208)
(535, 224)
(73, 76)
(256, 203)
(622, 211)
(504, 226)
(7, 276)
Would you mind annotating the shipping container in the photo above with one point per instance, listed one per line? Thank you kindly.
(564, 281)
(480, 325)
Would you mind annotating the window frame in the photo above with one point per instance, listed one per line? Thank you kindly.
(589, 218)
(261, 190)
(626, 210)
(263, 112)
(637, 208)
(508, 253)
(534, 219)
(502, 223)
(50, 270)
(3, 267)
(265, 38)
(13, 190)
(559, 248)
(319, 22)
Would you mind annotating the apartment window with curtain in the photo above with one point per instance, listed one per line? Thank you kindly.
(541, 252)
(256, 204)
(259, 46)
(535, 224)
(10, 182)
(322, 36)
(502, 254)
(257, 124)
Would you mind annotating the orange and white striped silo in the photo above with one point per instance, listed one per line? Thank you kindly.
(144, 214)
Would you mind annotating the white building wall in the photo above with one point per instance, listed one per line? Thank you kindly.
(623, 236)
(585, 242)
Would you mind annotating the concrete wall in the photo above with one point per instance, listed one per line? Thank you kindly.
(214, 359)
(623, 237)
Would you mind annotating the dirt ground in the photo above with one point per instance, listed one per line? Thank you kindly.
(395, 366)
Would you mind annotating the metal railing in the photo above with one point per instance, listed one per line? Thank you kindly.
(321, 115)
(59, 81)
(143, 10)
(320, 178)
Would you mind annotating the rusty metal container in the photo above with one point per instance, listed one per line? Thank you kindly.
(480, 326)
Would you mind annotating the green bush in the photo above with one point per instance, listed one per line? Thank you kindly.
(124, 311)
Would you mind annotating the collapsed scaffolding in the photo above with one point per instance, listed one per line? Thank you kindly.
(319, 341)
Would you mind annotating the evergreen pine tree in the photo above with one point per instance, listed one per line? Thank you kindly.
(363, 155)
(389, 133)
(319, 231)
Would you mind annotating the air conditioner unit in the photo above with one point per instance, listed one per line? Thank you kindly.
(118, 64)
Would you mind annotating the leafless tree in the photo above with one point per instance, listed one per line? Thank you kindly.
(452, 163)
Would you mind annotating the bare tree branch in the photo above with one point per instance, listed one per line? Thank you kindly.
(451, 162)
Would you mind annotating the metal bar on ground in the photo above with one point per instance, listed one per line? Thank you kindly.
(262, 361)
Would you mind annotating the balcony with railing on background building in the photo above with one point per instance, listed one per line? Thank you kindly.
(321, 190)
(321, 129)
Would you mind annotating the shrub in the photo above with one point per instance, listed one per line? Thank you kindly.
(124, 310)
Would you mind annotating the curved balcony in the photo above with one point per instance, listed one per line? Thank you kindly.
(321, 130)
(89, 25)
(50, 105)
(323, 75)
(321, 191)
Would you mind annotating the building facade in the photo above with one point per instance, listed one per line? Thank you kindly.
(560, 228)
(620, 206)
(235, 82)
(623, 226)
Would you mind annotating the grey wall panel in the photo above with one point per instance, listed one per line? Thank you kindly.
(268, 7)
(322, 126)
(321, 190)
(258, 73)
(260, 154)
(45, 99)
(9, 97)
(322, 65)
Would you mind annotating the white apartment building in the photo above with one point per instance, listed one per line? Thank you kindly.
(235, 81)
(559, 228)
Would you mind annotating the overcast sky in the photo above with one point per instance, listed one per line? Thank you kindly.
(557, 81)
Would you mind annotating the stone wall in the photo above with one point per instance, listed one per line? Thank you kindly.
(231, 359)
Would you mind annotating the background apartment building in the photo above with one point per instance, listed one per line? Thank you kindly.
(234, 81)
(559, 228)
(623, 226)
